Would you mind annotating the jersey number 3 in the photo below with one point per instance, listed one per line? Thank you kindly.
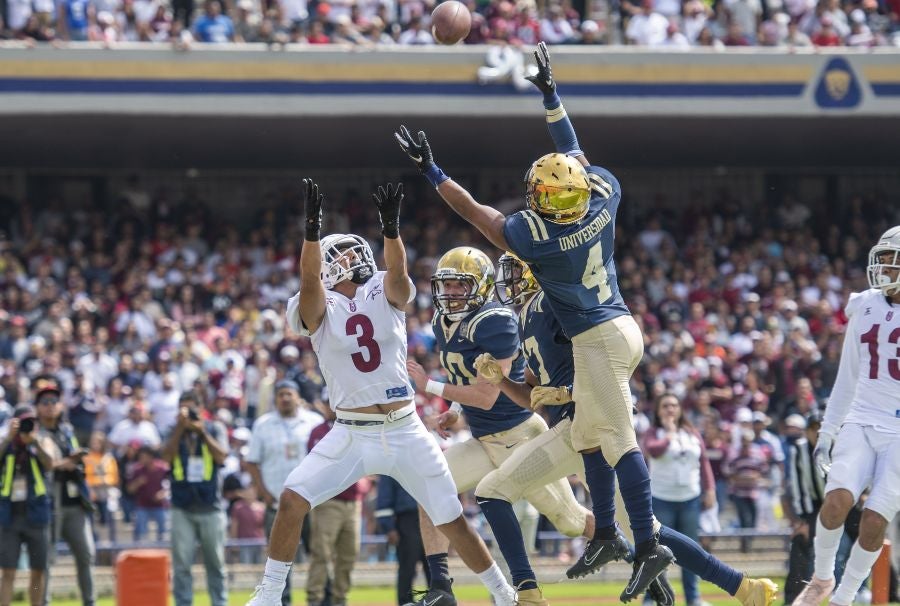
(595, 275)
(365, 339)
(870, 338)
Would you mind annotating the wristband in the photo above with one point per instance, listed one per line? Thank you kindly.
(312, 236)
(435, 387)
(456, 407)
(551, 99)
(435, 175)
(391, 230)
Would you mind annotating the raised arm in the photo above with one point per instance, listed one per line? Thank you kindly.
(397, 286)
(312, 291)
(558, 123)
(489, 221)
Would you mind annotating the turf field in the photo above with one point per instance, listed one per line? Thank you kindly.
(564, 594)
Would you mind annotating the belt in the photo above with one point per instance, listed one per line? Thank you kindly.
(391, 417)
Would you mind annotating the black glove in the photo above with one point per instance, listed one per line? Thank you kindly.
(312, 204)
(388, 203)
(418, 150)
(543, 79)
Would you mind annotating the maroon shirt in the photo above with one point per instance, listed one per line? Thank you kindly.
(351, 494)
(146, 494)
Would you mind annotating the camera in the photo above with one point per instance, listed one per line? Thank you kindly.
(26, 425)
(192, 415)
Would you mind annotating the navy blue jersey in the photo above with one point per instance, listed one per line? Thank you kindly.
(491, 329)
(573, 263)
(548, 352)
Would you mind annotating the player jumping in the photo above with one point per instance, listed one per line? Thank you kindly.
(566, 236)
(862, 424)
(354, 316)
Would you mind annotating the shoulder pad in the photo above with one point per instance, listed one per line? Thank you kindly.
(858, 299)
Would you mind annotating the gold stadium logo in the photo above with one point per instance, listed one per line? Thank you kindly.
(837, 81)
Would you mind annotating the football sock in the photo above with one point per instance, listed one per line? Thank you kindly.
(601, 481)
(690, 556)
(496, 583)
(440, 571)
(826, 546)
(859, 564)
(275, 574)
(508, 533)
(634, 484)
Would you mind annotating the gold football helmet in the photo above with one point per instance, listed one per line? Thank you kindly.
(515, 282)
(462, 282)
(557, 188)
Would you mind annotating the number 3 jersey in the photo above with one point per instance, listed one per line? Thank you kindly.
(490, 329)
(361, 345)
(867, 388)
(573, 262)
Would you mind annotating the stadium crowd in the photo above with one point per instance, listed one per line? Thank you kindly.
(741, 308)
(669, 24)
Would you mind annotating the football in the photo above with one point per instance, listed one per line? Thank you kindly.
(450, 22)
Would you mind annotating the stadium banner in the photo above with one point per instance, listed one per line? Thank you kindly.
(254, 80)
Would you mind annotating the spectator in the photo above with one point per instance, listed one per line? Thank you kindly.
(680, 475)
(102, 477)
(195, 450)
(147, 478)
(334, 533)
(278, 442)
(245, 515)
(134, 428)
(647, 28)
(25, 507)
(72, 507)
(746, 472)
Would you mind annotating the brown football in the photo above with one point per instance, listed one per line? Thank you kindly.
(450, 22)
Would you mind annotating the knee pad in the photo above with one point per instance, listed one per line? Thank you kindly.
(570, 523)
(616, 444)
(495, 486)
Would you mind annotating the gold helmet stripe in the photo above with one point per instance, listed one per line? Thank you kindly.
(539, 221)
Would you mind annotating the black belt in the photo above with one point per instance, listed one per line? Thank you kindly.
(357, 423)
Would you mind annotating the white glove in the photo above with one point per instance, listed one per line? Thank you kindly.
(550, 396)
(489, 369)
(822, 453)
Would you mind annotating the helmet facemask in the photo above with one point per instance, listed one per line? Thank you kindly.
(455, 306)
(346, 257)
(515, 282)
(884, 269)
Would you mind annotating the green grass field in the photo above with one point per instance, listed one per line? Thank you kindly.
(563, 594)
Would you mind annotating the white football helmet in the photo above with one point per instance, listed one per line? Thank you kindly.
(359, 265)
(884, 262)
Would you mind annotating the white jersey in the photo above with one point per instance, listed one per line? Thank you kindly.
(867, 389)
(361, 345)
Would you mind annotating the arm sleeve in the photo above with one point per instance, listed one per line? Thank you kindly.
(561, 130)
(844, 389)
(654, 445)
(498, 333)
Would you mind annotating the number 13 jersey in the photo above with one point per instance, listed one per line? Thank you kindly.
(573, 262)
(361, 345)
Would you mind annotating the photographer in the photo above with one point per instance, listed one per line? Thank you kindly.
(72, 508)
(24, 503)
(196, 450)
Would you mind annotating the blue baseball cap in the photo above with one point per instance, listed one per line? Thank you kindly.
(287, 384)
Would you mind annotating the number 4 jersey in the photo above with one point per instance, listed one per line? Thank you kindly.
(867, 388)
(573, 263)
(361, 345)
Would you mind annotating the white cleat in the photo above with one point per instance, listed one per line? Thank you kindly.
(265, 596)
(815, 592)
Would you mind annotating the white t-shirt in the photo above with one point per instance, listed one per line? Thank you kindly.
(278, 444)
(164, 409)
(867, 388)
(125, 431)
(361, 345)
(675, 475)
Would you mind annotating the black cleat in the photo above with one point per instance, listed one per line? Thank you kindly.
(660, 591)
(646, 568)
(433, 597)
(597, 554)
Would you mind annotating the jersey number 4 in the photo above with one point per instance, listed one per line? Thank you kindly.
(870, 338)
(360, 326)
(595, 275)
